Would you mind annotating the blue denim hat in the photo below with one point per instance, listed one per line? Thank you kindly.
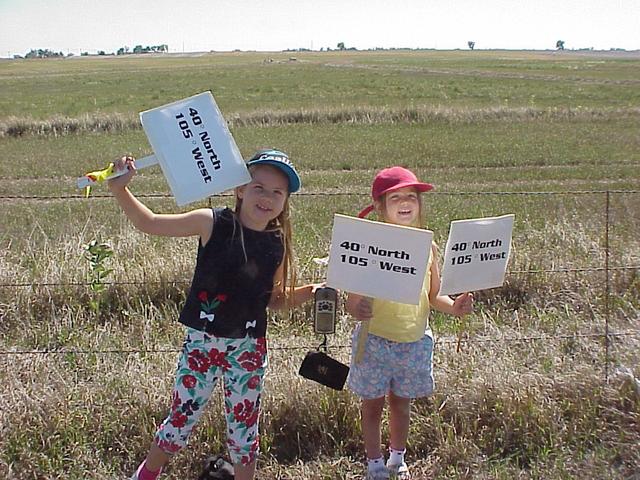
(279, 160)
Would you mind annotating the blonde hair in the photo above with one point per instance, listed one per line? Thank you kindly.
(281, 224)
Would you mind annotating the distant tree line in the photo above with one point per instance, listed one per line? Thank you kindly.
(46, 53)
(140, 49)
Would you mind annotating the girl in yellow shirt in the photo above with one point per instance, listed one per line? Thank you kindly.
(398, 354)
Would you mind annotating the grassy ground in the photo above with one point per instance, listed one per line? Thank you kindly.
(526, 386)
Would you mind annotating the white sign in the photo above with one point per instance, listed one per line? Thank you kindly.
(476, 255)
(379, 260)
(194, 148)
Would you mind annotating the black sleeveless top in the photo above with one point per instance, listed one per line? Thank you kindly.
(230, 291)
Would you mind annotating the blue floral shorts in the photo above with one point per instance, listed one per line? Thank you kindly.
(406, 369)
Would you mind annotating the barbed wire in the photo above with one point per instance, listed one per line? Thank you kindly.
(178, 281)
(457, 341)
(321, 194)
(451, 341)
(86, 284)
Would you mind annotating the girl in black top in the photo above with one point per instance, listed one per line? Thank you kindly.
(244, 265)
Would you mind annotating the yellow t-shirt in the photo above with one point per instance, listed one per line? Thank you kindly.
(402, 322)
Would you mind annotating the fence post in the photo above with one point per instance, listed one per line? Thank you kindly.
(607, 292)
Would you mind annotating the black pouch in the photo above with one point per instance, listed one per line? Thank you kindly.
(321, 368)
(217, 468)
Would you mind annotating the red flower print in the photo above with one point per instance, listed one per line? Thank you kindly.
(245, 460)
(207, 306)
(252, 419)
(242, 411)
(261, 345)
(168, 447)
(219, 359)
(179, 419)
(253, 382)
(176, 402)
(189, 381)
(198, 361)
(250, 361)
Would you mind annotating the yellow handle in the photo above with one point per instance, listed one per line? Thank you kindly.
(95, 177)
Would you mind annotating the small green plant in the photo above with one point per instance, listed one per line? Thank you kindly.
(97, 253)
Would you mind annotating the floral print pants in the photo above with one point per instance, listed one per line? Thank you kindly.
(241, 363)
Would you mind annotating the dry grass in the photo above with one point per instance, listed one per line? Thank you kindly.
(107, 123)
(521, 385)
(61, 125)
(94, 415)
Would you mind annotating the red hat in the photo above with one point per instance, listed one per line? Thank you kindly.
(390, 179)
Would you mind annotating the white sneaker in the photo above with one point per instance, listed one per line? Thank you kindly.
(399, 471)
(381, 473)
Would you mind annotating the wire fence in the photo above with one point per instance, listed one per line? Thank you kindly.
(607, 335)
(331, 194)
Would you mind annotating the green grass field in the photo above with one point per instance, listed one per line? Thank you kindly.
(521, 387)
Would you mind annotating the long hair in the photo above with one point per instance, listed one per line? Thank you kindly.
(281, 224)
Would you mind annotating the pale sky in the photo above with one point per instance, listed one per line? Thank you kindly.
(200, 25)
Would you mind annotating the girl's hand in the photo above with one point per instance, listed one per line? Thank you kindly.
(119, 183)
(463, 304)
(364, 309)
(316, 286)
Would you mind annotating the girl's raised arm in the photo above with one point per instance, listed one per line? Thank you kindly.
(194, 223)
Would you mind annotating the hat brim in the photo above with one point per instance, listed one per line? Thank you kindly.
(288, 170)
(419, 186)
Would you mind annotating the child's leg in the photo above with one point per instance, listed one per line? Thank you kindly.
(243, 383)
(370, 379)
(156, 458)
(413, 380)
(244, 472)
(195, 379)
(371, 412)
(399, 416)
